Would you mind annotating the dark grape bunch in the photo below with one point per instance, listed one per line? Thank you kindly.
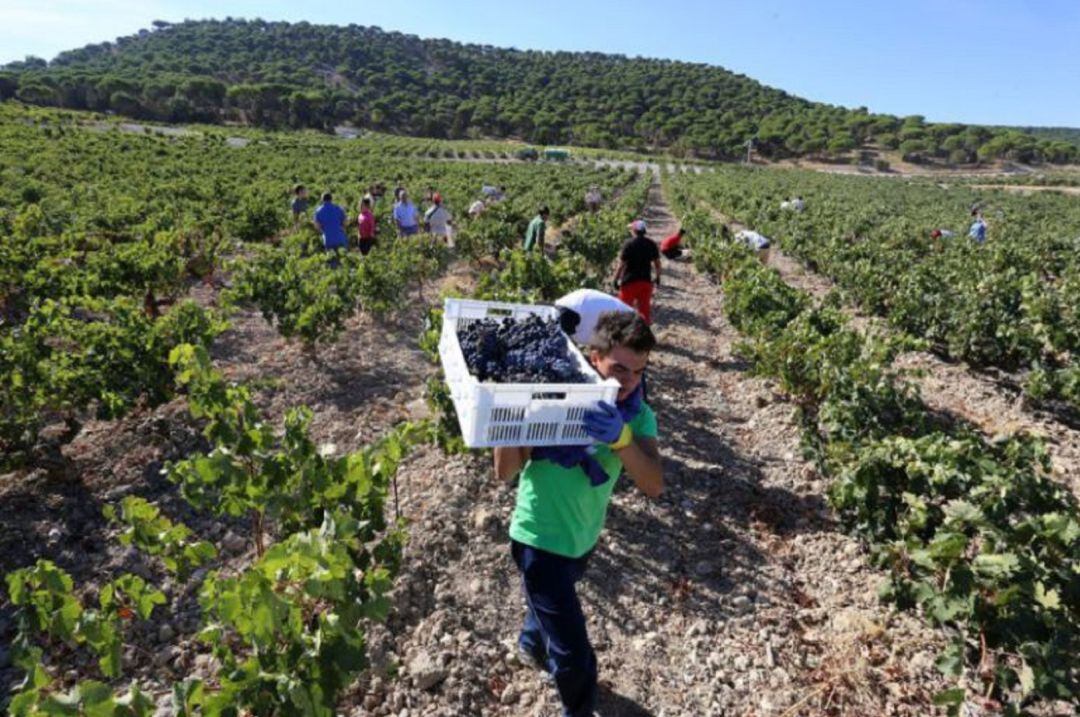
(531, 350)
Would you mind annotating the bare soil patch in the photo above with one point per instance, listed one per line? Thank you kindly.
(1029, 188)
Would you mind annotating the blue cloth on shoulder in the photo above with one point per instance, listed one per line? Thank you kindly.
(579, 456)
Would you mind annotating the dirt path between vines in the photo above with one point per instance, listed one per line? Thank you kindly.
(952, 387)
(733, 594)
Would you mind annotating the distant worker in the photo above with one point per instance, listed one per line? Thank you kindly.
(580, 310)
(366, 226)
(405, 215)
(534, 234)
(299, 204)
(634, 274)
(330, 221)
(795, 205)
(752, 239)
(477, 208)
(437, 219)
(942, 234)
(593, 199)
(671, 247)
(493, 193)
(978, 228)
(376, 190)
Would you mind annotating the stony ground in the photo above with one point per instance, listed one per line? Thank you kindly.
(733, 594)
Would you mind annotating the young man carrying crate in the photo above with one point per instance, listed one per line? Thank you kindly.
(562, 500)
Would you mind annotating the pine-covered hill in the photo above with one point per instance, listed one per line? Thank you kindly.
(303, 75)
(1056, 134)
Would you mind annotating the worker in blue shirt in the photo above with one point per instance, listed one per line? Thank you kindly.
(330, 221)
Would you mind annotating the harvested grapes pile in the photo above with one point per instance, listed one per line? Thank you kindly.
(531, 350)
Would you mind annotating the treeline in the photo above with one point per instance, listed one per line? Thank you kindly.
(276, 74)
(1056, 134)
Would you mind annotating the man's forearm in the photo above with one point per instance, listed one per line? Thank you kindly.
(642, 463)
(509, 460)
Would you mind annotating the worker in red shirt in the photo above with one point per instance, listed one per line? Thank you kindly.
(671, 247)
(366, 225)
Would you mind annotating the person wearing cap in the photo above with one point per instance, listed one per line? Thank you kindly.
(671, 247)
(580, 310)
(366, 226)
(634, 274)
(534, 234)
(437, 219)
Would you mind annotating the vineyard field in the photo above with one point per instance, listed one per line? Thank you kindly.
(134, 220)
(234, 484)
(1009, 304)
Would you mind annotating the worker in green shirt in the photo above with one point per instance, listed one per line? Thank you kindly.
(562, 499)
(534, 235)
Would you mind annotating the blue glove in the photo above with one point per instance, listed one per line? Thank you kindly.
(603, 423)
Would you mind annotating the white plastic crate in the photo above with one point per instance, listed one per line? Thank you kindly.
(515, 414)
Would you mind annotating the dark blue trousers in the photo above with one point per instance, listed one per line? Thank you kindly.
(554, 629)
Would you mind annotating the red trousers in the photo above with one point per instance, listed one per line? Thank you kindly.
(638, 294)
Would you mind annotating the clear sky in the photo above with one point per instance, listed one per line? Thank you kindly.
(978, 61)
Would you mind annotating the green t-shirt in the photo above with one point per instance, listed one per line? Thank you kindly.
(558, 509)
(535, 233)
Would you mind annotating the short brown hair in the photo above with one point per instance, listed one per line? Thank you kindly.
(622, 328)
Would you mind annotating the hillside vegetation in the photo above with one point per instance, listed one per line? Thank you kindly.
(303, 75)
(1055, 134)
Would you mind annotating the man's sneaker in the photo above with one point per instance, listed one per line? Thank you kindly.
(531, 658)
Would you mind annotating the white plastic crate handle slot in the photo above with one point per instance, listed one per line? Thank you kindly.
(550, 396)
